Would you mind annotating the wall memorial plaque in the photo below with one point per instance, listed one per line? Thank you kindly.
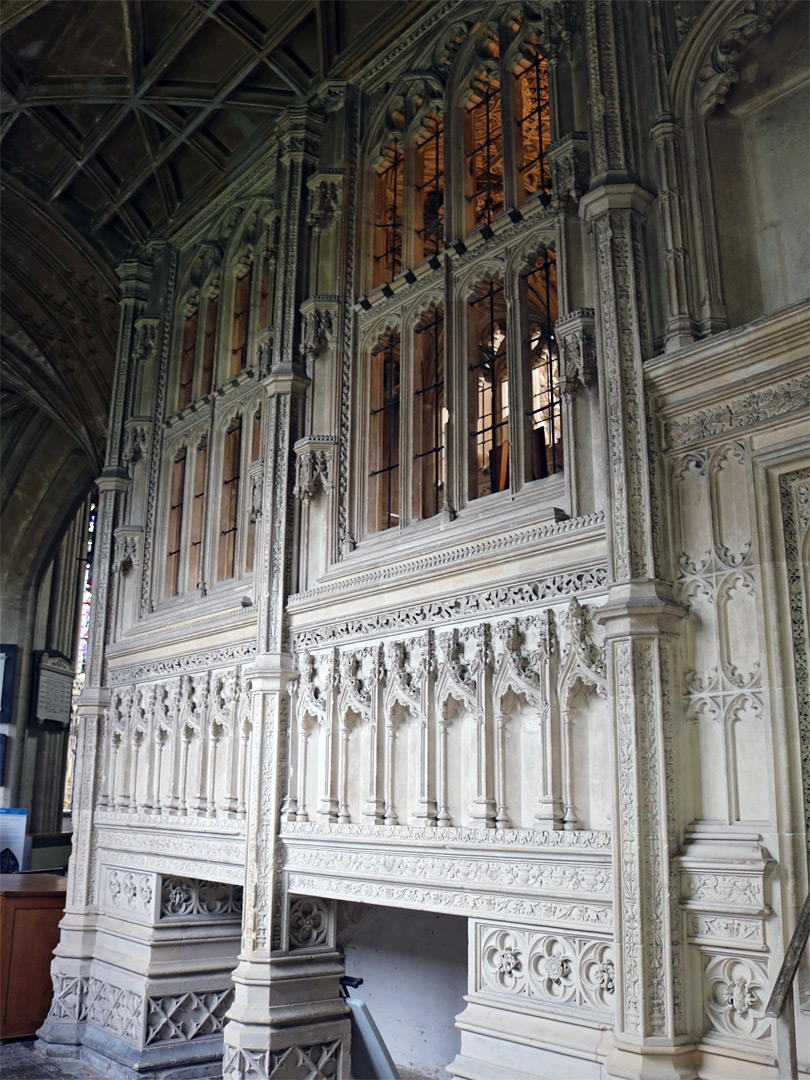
(54, 688)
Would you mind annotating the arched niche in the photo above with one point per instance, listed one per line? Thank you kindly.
(757, 141)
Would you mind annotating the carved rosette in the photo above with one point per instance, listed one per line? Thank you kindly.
(545, 969)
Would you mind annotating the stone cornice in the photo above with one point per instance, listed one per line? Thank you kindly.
(434, 563)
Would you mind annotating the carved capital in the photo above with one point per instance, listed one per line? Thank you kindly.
(134, 275)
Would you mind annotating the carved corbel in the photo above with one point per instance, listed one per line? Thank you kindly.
(145, 341)
(575, 334)
(570, 164)
(319, 315)
(718, 75)
(127, 549)
(136, 438)
(325, 199)
(313, 465)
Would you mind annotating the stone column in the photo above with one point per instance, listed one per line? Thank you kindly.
(70, 969)
(640, 617)
(287, 1012)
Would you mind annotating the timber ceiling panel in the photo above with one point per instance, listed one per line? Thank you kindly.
(119, 119)
(126, 114)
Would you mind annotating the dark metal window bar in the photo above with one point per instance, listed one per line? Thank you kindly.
(241, 317)
(546, 405)
(488, 434)
(209, 343)
(487, 198)
(389, 177)
(187, 360)
(175, 524)
(230, 494)
(436, 388)
(533, 125)
(387, 352)
(431, 192)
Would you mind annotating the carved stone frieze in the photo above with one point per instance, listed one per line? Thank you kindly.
(469, 901)
(545, 971)
(183, 1017)
(530, 839)
(518, 539)
(129, 891)
(553, 879)
(736, 414)
(182, 897)
(319, 1061)
(437, 612)
(116, 1010)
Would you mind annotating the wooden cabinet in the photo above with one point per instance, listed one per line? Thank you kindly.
(31, 906)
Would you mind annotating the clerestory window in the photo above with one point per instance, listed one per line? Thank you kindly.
(229, 499)
(176, 501)
(464, 401)
(384, 427)
(241, 320)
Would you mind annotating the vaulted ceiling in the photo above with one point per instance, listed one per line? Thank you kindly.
(118, 120)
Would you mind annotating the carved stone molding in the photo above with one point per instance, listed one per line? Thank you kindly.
(470, 605)
(744, 22)
(754, 408)
(509, 839)
(181, 897)
(573, 915)
(189, 662)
